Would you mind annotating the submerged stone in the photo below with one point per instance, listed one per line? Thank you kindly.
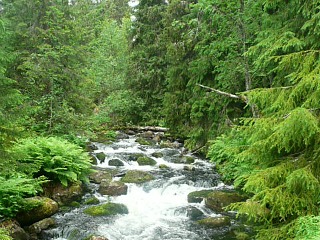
(106, 209)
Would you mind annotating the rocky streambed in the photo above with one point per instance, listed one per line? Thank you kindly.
(148, 188)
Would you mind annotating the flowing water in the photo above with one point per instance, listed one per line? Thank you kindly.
(158, 210)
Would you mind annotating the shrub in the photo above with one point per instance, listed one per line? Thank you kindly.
(52, 157)
(4, 234)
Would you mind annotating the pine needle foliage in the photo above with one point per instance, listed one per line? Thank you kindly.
(275, 157)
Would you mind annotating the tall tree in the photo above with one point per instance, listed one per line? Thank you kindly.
(147, 76)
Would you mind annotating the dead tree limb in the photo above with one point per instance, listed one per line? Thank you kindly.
(242, 98)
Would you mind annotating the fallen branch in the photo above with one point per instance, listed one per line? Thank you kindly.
(147, 128)
(242, 98)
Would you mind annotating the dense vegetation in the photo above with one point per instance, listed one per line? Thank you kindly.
(238, 80)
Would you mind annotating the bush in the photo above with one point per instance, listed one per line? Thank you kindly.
(52, 157)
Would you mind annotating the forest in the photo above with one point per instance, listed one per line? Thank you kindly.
(238, 81)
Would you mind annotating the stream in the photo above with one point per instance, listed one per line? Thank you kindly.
(158, 209)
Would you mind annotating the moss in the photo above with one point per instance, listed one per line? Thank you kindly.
(101, 156)
(136, 176)
(106, 209)
(146, 161)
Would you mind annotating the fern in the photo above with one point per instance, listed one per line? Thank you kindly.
(55, 158)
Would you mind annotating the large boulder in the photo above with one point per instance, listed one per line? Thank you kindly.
(215, 222)
(198, 196)
(137, 176)
(115, 188)
(40, 208)
(106, 209)
(15, 230)
(64, 195)
(142, 161)
(217, 200)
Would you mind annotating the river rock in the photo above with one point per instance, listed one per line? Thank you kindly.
(143, 141)
(147, 134)
(37, 227)
(106, 209)
(101, 156)
(215, 222)
(217, 200)
(115, 188)
(137, 176)
(115, 162)
(99, 175)
(189, 168)
(15, 230)
(135, 156)
(96, 238)
(64, 195)
(198, 196)
(91, 201)
(142, 161)
(157, 154)
(121, 135)
(194, 213)
(44, 207)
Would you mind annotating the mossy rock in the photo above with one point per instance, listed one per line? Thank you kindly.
(106, 209)
(135, 156)
(198, 196)
(115, 188)
(218, 200)
(99, 175)
(157, 154)
(74, 204)
(142, 161)
(64, 195)
(44, 224)
(143, 141)
(92, 201)
(16, 232)
(115, 162)
(215, 222)
(101, 156)
(44, 207)
(163, 166)
(189, 159)
(137, 176)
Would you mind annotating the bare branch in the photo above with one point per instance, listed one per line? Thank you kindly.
(242, 98)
